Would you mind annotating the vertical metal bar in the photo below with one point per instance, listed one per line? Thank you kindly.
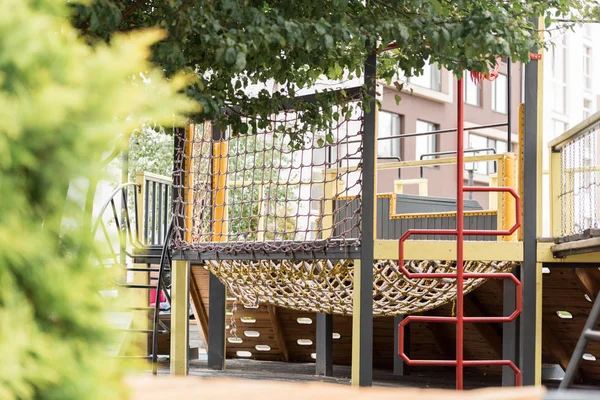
(528, 272)
(400, 367)
(146, 211)
(460, 165)
(216, 323)
(362, 335)
(159, 225)
(324, 338)
(510, 331)
(153, 213)
(509, 106)
(166, 218)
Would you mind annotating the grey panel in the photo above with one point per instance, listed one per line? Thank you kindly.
(407, 204)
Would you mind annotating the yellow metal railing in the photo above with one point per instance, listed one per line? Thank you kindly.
(574, 178)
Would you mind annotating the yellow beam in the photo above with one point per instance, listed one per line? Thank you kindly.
(446, 250)
(438, 161)
(545, 255)
(180, 278)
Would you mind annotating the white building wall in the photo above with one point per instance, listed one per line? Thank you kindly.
(564, 71)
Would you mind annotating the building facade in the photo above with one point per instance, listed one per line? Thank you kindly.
(428, 103)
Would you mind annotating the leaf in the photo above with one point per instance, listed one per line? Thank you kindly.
(230, 55)
(397, 98)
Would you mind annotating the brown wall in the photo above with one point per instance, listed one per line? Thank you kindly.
(442, 179)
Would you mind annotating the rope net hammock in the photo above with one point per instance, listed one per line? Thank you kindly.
(327, 286)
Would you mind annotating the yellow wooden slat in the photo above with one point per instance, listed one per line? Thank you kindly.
(446, 250)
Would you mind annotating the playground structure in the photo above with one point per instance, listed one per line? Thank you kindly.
(270, 273)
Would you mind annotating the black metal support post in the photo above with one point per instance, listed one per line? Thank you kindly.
(216, 306)
(528, 332)
(510, 332)
(324, 340)
(365, 356)
(400, 367)
(216, 323)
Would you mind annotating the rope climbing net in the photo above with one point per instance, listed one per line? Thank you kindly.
(579, 180)
(327, 285)
(264, 191)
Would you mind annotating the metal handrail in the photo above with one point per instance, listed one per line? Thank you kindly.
(575, 132)
(446, 153)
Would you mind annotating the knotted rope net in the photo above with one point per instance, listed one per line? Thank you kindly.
(265, 190)
(327, 285)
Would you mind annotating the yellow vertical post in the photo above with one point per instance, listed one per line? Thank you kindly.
(180, 280)
(180, 270)
(331, 190)
(508, 201)
(500, 198)
(219, 184)
(355, 369)
(555, 195)
(520, 161)
(188, 178)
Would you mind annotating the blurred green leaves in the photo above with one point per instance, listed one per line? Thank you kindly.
(64, 105)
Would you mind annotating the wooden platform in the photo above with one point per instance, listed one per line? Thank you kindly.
(276, 334)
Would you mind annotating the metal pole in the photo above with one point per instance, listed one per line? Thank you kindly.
(362, 321)
(528, 272)
(460, 165)
(324, 337)
(470, 183)
(510, 331)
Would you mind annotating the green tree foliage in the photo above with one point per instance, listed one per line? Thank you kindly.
(231, 44)
(151, 150)
(63, 105)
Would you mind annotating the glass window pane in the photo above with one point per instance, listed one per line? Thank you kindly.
(471, 90)
(388, 126)
(425, 144)
(499, 94)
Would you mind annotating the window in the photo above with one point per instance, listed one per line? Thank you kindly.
(560, 127)
(587, 67)
(477, 142)
(388, 126)
(472, 91)
(559, 74)
(587, 108)
(430, 79)
(501, 147)
(499, 94)
(425, 144)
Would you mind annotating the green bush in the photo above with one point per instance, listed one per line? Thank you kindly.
(64, 106)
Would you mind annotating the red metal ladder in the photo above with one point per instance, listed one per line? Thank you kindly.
(460, 275)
